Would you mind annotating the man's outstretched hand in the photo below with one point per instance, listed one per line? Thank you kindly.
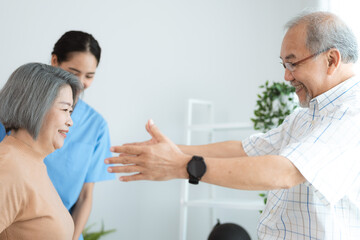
(158, 159)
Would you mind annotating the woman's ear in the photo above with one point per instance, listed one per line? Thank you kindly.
(333, 60)
(54, 61)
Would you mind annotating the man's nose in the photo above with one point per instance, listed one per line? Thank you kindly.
(288, 76)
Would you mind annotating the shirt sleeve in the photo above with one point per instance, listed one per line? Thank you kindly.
(98, 169)
(329, 157)
(268, 143)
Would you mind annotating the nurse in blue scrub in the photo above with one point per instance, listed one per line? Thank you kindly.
(75, 167)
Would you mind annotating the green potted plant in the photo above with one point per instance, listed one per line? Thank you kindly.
(96, 235)
(272, 106)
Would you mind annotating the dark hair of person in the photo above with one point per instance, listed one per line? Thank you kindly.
(76, 41)
(228, 231)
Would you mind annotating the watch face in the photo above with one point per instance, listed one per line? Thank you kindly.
(197, 167)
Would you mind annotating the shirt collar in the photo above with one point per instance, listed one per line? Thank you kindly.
(335, 95)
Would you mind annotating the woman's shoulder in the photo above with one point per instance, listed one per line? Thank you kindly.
(17, 155)
(11, 168)
(4, 152)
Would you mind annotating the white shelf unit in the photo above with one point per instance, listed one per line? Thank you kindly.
(210, 202)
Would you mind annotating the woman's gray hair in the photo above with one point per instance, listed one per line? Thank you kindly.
(30, 92)
(324, 31)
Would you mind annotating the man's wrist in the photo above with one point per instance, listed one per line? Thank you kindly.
(183, 174)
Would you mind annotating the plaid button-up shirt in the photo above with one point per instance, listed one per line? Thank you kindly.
(323, 142)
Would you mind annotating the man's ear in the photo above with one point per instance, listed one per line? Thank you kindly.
(333, 60)
(54, 61)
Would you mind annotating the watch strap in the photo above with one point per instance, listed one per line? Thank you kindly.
(193, 180)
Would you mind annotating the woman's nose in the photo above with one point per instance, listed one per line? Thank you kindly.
(69, 122)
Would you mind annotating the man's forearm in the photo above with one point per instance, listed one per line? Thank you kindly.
(227, 164)
(226, 149)
(252, 173)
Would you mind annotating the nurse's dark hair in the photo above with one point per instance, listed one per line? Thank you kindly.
(76, 41)
(30, 92)
(326, 30)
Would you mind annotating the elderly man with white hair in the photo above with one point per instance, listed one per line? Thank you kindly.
(310, 163)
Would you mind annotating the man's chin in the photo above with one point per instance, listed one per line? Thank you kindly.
(304, 104)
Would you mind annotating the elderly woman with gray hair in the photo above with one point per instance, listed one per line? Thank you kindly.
(36, 104)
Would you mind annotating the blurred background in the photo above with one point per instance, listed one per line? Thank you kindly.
(156, 55)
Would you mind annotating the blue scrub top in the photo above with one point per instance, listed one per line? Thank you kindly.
(2, 132)
(81, 159)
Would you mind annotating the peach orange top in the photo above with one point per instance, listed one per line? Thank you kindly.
(30, 207)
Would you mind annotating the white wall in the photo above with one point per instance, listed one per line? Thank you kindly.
(156, 55)
(348, 11)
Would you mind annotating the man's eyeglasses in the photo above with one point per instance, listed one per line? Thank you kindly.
(291, 66)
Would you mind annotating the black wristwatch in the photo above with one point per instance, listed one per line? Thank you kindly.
(196, 168)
